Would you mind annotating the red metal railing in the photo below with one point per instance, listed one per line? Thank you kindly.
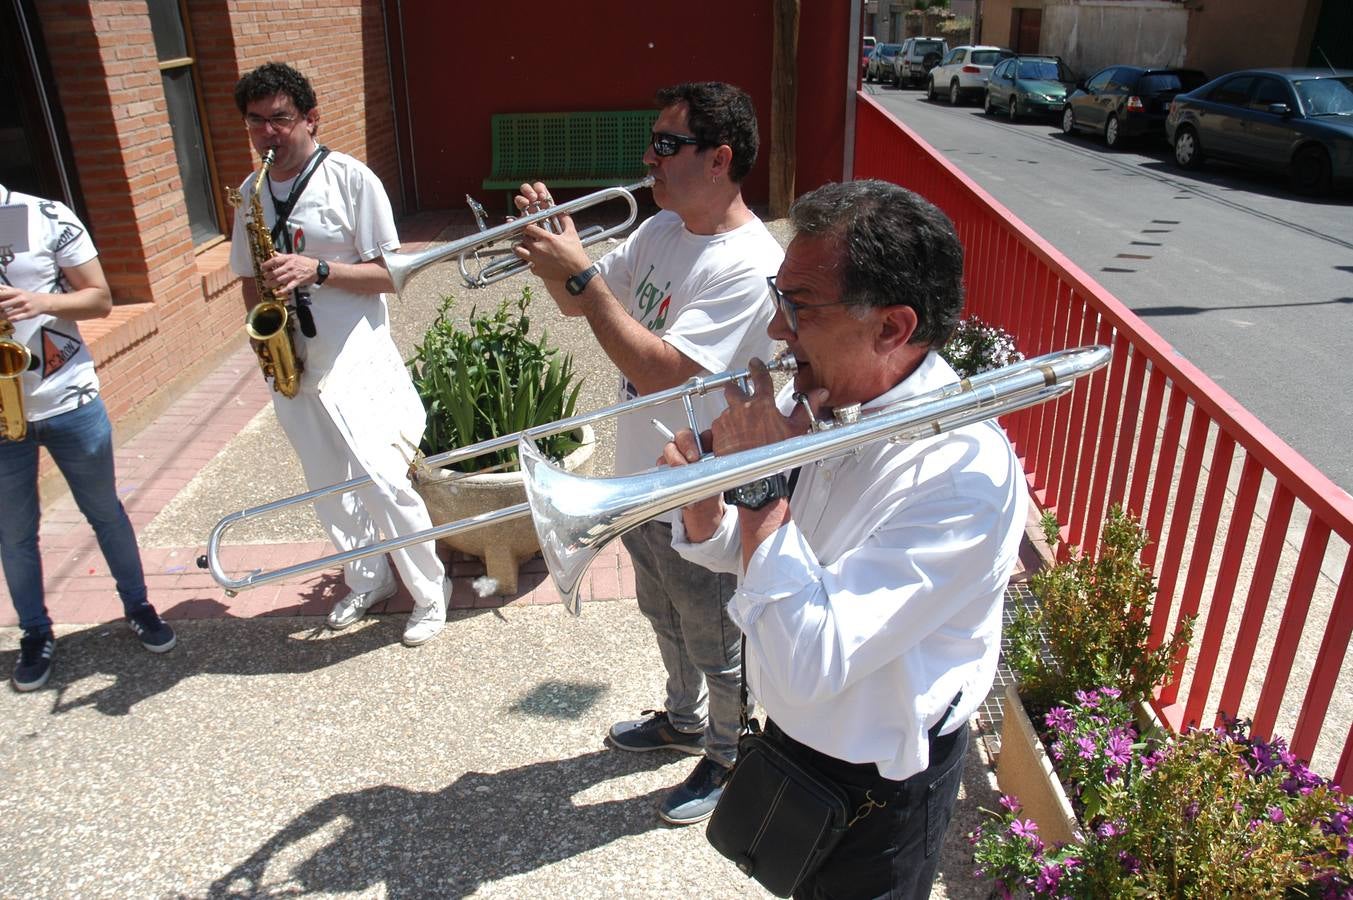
(1230, 509)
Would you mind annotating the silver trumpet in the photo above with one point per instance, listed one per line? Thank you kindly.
(402, 266)
(576, 516)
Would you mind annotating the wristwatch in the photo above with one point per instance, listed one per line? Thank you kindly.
(321, 272)
(757, 494)
(576, 284)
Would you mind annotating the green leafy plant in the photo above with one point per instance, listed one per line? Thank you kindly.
(1091, 625)
(977, 347)
(490, 378)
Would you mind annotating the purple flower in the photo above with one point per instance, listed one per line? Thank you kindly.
(1048, 878)
(1086, 747)
(1088, 700)
(1111, 693)
(1059, 718)
(1106, 830)
(1024, 828)
(1191, 811)
(1275, 815)
(1131, 864)
(1010, 803)
(1118, 749)
(1058, 751)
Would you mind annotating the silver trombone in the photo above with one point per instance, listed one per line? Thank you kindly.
(575, 516)
(402, 266)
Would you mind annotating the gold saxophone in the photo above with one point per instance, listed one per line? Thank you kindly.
(270, 325)
(14, 361)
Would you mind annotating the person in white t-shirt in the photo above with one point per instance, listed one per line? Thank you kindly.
(685, 294)
(356, 411)
(871, 583)
(50, 279)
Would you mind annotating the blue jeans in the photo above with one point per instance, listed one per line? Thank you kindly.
(81, 445)
(701, 648)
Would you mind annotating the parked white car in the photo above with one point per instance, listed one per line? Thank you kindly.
(916, 58)
(962, 74)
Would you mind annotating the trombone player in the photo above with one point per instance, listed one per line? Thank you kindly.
(871, 584)
(684, 294)
(355, 410)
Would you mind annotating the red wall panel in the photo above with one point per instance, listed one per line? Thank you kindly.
(458, 64)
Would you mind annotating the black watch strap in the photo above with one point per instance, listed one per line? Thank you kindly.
(759, 493)
(576, 283)
(321, 272)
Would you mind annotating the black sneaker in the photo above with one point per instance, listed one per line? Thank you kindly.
(695, 798)
(655, 733)
(154, 632)
(35, 661)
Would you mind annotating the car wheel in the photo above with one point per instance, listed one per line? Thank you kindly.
(1111, 137)
(1188, 153)
(1311, 171)
(1068, 121)
(987, 107)
(1012, 111)
(930, 91)
(954, 96)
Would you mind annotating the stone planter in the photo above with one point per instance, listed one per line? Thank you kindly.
(451, 496)
(1025, 771)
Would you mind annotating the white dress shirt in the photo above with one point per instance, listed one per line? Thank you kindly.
(881, 598)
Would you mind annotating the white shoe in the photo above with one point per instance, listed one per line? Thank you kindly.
(355, 604)
(425, 623)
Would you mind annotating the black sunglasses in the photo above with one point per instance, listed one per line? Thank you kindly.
(667, 144)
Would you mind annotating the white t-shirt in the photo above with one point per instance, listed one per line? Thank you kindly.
(61, 377)
(706, 295)
(343, 215)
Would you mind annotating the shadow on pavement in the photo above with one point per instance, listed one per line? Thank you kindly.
(480, 828)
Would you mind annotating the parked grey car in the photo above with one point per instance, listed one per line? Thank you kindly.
(1298, 121)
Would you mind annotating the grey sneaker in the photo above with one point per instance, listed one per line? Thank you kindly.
(695, 798)
(655, 732)
(355, 604)
(425, 623)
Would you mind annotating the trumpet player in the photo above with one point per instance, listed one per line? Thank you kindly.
(871, 585)
(50, 279)
(684, 294)
(355, 411)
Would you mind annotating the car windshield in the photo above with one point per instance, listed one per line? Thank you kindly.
(1042, 70)
(1160, 82)
(1326, 96)
(927, 46)
(985, 57)
(889, 50)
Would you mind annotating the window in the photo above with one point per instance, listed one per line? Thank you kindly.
(1327, 96)
(1232, 92)
(1099, 81)
(1269, 91)
(173, 49)
(986, 57)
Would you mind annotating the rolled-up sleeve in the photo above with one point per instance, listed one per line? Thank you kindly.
(721, 553)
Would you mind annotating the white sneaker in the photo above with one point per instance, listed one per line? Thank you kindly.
(425, 623)
(355, 604)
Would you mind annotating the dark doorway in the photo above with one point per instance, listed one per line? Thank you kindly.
(1332, 44)
(33, 146)
(1025, 25)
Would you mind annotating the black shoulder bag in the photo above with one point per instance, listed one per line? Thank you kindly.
(777, 819)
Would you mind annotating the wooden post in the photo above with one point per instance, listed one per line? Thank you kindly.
(784, 93)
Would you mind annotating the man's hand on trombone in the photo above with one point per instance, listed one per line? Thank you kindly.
(556, 253)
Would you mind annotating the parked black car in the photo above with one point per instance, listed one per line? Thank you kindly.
(1295, 120)
(1122, 102)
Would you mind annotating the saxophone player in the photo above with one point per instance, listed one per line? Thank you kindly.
(355, 408)
(50, 279)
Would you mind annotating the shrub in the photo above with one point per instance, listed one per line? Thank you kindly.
(977, 347)
(491, 379)
(1090, 625)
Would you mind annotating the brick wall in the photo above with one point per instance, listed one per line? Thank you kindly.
(179, 309)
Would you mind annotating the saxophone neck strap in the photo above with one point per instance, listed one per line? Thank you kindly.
(281, 234)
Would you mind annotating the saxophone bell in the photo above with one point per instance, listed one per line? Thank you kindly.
(15, 359)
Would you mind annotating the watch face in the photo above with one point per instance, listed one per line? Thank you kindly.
(755, 494)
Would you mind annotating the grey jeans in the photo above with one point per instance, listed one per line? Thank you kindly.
(687, 606)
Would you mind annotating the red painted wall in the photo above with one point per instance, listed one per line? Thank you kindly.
(455, 65)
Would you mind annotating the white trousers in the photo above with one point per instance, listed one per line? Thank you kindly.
(357, 518)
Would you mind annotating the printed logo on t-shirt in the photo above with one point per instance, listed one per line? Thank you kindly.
(47, 208)
(82, 393)
(298, 240)
(653, 302)
(57, 350)
(69, 234)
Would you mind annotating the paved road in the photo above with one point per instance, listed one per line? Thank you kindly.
(1250, 282)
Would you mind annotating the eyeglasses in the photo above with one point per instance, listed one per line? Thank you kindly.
(278, 123)
(790, 309)
(667, 144)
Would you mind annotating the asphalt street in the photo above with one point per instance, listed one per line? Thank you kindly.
(1248, 281)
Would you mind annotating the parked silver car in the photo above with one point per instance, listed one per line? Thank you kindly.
(963, 73)
(916, 58)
